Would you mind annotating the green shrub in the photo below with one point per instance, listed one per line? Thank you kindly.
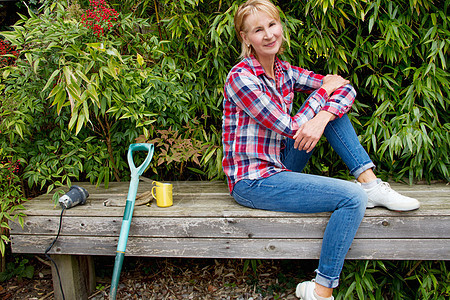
(394, 280)
(18, 269)
(396, 54)
(77, 102)
(11, 197)
(93, 95)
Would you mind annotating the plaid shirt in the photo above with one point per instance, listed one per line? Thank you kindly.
(257, 115)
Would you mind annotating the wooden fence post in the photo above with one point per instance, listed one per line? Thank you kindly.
(77, 276)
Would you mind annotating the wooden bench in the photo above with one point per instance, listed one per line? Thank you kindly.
(205, 222)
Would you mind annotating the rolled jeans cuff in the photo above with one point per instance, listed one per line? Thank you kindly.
(326, 281)
(363, 168)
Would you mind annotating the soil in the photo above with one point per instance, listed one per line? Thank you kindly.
(161, 278)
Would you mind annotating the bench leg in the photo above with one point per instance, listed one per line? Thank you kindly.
(77, 276)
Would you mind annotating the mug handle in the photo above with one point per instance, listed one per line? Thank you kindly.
(154, 187)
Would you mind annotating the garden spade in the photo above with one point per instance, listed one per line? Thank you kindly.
(128, 213)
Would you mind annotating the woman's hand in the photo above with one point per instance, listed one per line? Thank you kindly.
(332, 83)
(310, 133)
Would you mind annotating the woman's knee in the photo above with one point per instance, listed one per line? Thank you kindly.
(357, 198)
(362, 199)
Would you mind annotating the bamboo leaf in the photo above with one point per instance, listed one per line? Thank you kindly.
(80, 123)
(73, 119)
(50, 81)
(29, 58)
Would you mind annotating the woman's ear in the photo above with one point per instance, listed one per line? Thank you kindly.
(244, 37)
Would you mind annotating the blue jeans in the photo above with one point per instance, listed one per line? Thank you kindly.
(305, 193)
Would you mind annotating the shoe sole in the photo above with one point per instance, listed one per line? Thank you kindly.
(393, 208)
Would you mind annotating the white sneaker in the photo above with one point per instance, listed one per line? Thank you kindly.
(383, 195)
(306, 291)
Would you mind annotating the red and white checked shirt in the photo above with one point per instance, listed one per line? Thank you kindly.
(257, 115)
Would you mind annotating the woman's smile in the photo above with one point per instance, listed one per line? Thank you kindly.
(271, 44)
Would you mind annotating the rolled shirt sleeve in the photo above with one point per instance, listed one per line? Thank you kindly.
(341, 100)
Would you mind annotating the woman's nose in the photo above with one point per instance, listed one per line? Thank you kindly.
(268, 34)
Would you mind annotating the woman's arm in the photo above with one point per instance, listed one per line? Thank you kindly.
(309, 133)
(339, 97)
(245, 91)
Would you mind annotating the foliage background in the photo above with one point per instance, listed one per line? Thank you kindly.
(72, 102)
(69, 108)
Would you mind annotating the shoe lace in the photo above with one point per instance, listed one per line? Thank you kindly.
(385, 186)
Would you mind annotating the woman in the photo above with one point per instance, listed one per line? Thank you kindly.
(265, 148)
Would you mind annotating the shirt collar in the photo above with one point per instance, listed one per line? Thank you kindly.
(258, 70)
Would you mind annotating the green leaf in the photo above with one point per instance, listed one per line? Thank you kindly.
(93, 94)
(19, 130)
(29, 58)
(140, 60)
(50, 81)
(6, 73)
(73, 92)
(97, 46)
(82, 75)
(350, 290)
(80, 123)
(73, 119)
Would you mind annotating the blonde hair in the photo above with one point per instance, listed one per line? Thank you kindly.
(250, 7)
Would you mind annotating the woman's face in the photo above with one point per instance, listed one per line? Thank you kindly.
(263, 33)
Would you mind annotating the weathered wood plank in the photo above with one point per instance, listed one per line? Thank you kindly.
(435, 202)
(219, 188)
(397, 249)
(300, 227)
(216, 209)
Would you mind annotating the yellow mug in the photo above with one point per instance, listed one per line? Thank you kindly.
(162, 192)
